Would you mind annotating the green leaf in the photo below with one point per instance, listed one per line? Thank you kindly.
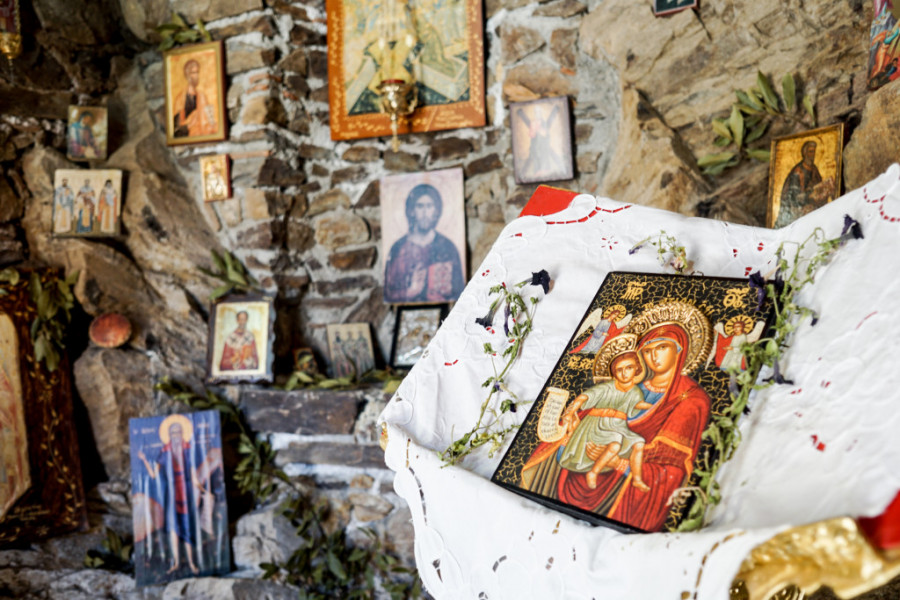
(335, 566)
(177, 20)
(715, 159)
(757, 132)
(768, 93)
(746, 109)
(748, 100)
(789, 88)
(721, 128)
(721, 142)
(202, 28)
(810, 109)
(759, 154)
(736, 124)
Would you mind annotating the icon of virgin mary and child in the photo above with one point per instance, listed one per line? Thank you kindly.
(632, 438)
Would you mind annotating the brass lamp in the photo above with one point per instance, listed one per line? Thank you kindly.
(10, 29)
(399, 100)
(397, 86)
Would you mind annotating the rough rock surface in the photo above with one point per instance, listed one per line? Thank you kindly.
(875, 144)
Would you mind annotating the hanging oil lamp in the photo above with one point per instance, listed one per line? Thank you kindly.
(397, 87)
(10, 30)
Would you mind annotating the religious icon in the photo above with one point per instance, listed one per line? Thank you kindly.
(414, 329)
(41, 490)
(87, 203)
(884, 38)
(241, 336)
(305, 361)
(195, 94)
(804, 173)
(87, 133)
(437, 45)
(611, 437)
(541, 140)
(350, 347)
(216, 177)
(423, 237)
(667, 7)
(179, 511)
(15, 472)
(730, 336)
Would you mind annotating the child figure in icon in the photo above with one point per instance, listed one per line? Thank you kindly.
(608, 405)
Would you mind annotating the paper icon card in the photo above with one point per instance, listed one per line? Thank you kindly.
(179, 514)
(87, 202)
(618, 429)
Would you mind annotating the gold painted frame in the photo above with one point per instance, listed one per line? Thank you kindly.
(210, 116)
(468, 112)
(783, 162)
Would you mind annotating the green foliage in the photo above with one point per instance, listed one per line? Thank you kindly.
(327, 564)
(792, 274)
(177, 32)
(487, 429)
(301, 379)
(232, 272)
(9, 276)
(115, 554)
(669, 252)
(752, 114)
(54, 302)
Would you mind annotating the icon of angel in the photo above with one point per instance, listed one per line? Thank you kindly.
(731, 335)
(606, 325)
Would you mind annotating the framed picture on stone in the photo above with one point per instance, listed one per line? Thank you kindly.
(87, 202)
(667, 7)
(439, 48)
(179, 510)
(241, 336)
(423, 237)
(541, 140)
(804, 173)
(350, 349)
(215, 175)
(195, 94)
(41, 491)
(87, 133)
(413, 330)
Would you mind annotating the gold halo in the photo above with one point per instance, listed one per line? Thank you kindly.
(618, 307)
(187, 428)
(612, 349)
(729, 324)
(687, 316)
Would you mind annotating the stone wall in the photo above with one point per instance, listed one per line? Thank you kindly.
(305, 215)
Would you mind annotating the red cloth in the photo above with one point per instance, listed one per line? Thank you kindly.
(547, 200)
(884, 530)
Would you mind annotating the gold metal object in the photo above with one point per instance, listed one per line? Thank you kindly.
(398, 100)
(11, 41)
(10, 44)
(799, 561)
(383, 438)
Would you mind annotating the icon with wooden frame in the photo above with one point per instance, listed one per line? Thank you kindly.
(804, 173)
(195, 94)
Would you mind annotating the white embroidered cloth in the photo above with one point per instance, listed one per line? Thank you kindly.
(822, 447)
